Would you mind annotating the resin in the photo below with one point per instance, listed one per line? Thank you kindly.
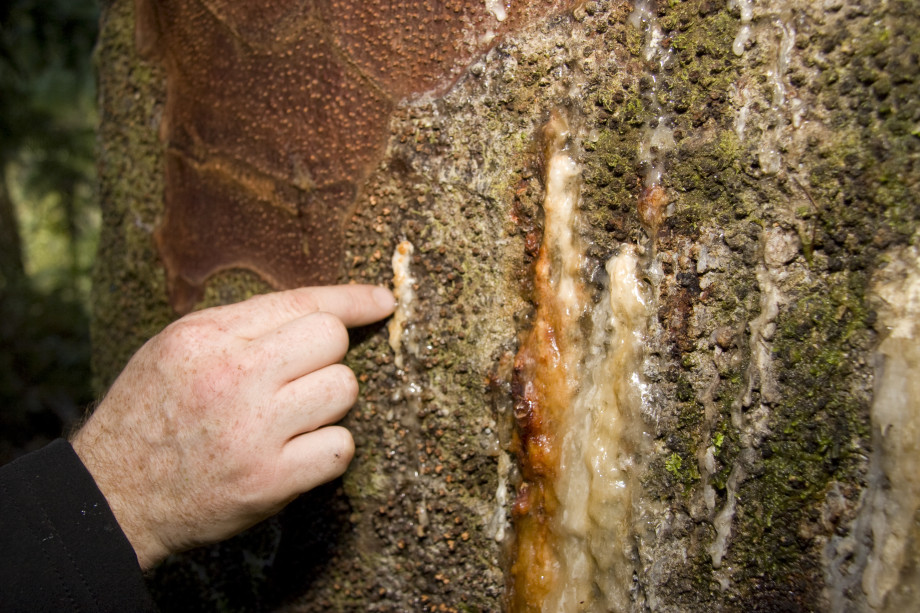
(579, 395)
(405, 298)
(894, 494)
(658, 136)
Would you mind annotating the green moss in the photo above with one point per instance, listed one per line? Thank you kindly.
(129, 298)
(610, 151)
(673, 465)
(818, 425)
(635, 40)
(634, 111)
(229, 286)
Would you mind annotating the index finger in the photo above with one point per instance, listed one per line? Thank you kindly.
(355, 305)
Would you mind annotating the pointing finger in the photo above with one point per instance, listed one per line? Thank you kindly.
(355, 305)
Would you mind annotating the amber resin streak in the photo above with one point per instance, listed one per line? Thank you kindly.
(543, 386)
(578, 403)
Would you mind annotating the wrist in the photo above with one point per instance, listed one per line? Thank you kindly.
(111, 481)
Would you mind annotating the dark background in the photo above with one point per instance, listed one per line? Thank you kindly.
(48, 217)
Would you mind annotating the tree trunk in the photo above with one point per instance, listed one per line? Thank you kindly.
(658, 275)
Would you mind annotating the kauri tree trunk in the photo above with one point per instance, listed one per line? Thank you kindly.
(659, 282)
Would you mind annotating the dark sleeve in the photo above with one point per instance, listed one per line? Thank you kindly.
(61, 548)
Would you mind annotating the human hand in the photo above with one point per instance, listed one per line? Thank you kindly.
(223, 418)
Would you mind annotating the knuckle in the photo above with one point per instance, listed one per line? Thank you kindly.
(294, 303)
(183, 337)
(333, 330)
(347, 383)
(303, 301)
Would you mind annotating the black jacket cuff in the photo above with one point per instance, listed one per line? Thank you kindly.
(61, 548)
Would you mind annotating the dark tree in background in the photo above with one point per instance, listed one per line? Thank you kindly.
(47, 213)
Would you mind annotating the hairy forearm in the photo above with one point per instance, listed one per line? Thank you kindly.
(102, 451)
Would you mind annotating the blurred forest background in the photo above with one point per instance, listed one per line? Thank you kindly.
(49, 217)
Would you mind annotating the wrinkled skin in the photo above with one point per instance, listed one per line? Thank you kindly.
(225, 417)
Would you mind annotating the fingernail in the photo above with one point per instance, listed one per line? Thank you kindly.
(384, 298)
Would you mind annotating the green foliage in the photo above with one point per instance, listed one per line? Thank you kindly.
(48, 216)
(47, 122)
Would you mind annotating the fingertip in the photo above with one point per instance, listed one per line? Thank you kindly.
(318, 457)
(346, 446)
(385, 299)
(340, 446)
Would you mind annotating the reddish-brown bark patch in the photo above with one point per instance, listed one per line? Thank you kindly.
(277, 110)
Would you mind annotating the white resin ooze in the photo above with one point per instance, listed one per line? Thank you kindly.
(772, 27)
(597, 475)
(562, 175)
(579, 411)
(405, 298)
(894, 495)
(744, 33)
(658, 138)
(497, 8)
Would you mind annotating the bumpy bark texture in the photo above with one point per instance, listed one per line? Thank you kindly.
(749, 171)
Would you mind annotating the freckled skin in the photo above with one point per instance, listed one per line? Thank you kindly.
(277, 110)
(225, 417)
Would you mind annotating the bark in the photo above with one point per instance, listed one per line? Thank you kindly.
(746, 172)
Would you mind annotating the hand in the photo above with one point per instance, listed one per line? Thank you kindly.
(223, 418)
